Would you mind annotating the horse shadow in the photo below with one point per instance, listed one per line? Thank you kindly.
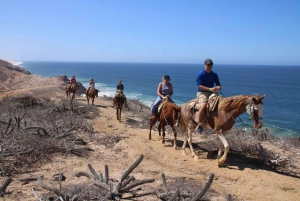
(102, 106)
(235, 161)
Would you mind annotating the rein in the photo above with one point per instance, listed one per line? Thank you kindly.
(251, 112)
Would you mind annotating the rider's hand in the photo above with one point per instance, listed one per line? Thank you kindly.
(215, 89)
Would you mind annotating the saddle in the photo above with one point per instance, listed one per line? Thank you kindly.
(161, 105)
(194, 106)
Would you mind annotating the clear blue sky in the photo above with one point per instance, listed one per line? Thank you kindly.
(168, 31)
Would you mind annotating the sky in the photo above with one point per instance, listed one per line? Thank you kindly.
(254, 32)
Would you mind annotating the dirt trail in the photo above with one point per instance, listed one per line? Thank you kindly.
(242, 181)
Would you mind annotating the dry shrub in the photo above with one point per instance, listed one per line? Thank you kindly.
(32, 129)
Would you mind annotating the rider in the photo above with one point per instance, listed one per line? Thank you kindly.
(91, 85)
(73, 81)
(164, 91)
(120, 86)
(208, 83)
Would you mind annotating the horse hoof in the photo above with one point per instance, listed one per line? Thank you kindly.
(196, 158)
(221, 162)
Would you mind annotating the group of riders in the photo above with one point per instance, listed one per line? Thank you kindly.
(207, 81)
(208, 84)
(119, 88)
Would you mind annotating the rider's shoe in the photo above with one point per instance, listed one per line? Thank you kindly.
(199, 129)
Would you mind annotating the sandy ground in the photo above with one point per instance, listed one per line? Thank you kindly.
(242, 181)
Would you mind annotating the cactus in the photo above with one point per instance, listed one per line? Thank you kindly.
(164, 182)
(106, 174)
(132, 167)
(92, 170)
(4, 186)
(204, 189)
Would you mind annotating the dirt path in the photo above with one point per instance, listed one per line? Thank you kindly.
(242, 181)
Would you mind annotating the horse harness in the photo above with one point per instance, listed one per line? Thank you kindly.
(194, 106)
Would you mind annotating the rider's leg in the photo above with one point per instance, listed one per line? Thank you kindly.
(202, 99)
(154, 108)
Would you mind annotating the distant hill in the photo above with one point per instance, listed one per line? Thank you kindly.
(14, 77)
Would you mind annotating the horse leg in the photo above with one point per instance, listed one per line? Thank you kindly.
(151, 125)
(185, 136)
(175, 138)
(117, 112)
(221, 149)
(120, 112)
(163, 133)
(224, 157)
(159, 131)
(93, 100)
(87, 99)
(189, 139)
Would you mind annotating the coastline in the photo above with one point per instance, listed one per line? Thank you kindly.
(15, 63)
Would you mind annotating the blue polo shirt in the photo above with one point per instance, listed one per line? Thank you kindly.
(207, 79)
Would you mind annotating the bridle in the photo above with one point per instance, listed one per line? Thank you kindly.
(253, 112)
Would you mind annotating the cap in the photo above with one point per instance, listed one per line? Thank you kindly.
(208, 61)
(167, 77)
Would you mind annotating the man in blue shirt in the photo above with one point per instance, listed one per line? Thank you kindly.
(208, 83)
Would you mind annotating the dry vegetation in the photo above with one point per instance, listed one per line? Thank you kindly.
(33, 129)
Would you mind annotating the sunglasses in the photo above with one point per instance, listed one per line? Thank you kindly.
(209, 64)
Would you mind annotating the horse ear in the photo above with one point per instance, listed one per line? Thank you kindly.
(263, 96)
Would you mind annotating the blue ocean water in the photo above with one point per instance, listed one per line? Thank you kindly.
(280, 83)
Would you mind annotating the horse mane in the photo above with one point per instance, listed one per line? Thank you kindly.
(233, 102)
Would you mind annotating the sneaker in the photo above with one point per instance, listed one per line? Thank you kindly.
(199, 130)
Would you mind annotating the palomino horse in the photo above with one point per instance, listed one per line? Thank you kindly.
(168, 115)
(223, 118)
(91, 95)
(119, 100)
(71, 89)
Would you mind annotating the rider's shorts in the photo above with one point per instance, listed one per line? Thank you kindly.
(204, 96)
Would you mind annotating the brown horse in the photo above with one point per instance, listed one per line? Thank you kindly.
(92, 93)
(119, 100)
(169, 115)
(221, 119)
(71, 89)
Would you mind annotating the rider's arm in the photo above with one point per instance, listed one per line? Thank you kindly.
(204, 88)
(158, 91)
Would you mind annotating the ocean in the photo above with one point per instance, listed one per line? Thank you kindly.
(279, 83)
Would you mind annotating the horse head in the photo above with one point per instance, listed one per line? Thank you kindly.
(119, 92)
(255, 110)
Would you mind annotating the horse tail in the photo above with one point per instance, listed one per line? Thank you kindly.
(183, 126)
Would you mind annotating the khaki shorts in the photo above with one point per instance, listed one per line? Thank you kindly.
(204, 96)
